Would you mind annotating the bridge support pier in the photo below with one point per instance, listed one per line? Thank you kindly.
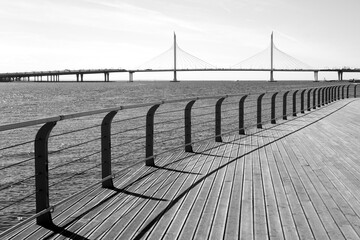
(107, 77)
(271, 76)
(316, 76)
(175, 76)
(131, 76)
(340, 75)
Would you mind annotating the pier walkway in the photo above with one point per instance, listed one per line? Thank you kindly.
(297, 179)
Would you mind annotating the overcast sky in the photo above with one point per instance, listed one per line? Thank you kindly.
(74, 34)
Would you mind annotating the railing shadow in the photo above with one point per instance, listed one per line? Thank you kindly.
(175, 170)
(173, 202)
(209, 154)
(61, 230)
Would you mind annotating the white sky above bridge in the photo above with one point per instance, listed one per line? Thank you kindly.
(81, 34)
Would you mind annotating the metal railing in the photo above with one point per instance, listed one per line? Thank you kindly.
(93, 147)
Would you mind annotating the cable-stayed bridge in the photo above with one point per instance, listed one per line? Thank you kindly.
(175, 59)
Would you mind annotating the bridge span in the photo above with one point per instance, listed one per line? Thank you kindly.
(176, 60)
(54, 76)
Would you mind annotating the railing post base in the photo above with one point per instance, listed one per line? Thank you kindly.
(273, 114)
(150, 136)
(106, 149)
(42, 174)
(150, 162)
(188, 107)
(259, 109)
(241, 115)
(218, 137)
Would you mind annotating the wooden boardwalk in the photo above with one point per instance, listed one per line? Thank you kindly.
(297, 179)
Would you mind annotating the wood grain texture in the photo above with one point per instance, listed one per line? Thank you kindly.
(297, 179)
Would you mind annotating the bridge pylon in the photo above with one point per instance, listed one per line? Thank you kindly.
(175, 45)
(272, 58)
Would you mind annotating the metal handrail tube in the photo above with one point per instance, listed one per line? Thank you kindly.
(205, 106)
(28, 123)
(74, 131)
(167, 112)
(127, 119)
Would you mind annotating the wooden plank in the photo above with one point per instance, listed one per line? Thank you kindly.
(108, 220)
(193, 220)
(164, 211)
(187, 204)
(219, 223)
(299, 217)
(304, 189)
(141, 207)
(260, 216)
(269, 183)
(246, 213)
(233, 217)
(300, 185)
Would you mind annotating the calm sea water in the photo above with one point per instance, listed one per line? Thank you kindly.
(28, 101)
(25, 101)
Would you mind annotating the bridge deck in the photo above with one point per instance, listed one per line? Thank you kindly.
(298, 179)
